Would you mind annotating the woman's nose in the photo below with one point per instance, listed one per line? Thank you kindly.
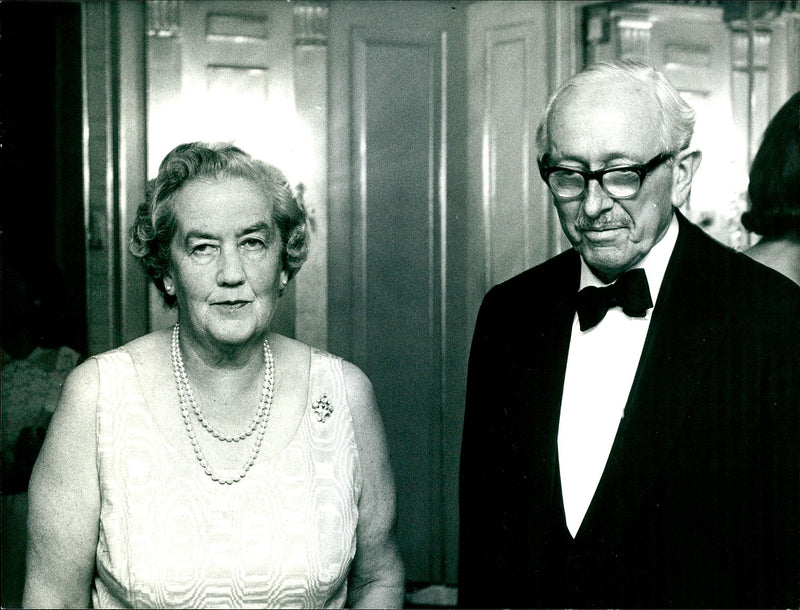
(230, 270)
(595, 201)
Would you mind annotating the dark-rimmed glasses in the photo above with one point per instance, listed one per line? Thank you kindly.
(621, 182)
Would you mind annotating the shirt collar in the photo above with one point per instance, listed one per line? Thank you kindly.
(654, 262)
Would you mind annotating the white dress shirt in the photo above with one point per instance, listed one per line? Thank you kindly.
(601, 365)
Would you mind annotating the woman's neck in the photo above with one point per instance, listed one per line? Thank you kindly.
(780, 253)
(216, 359)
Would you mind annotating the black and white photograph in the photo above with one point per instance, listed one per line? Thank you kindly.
(400, 303)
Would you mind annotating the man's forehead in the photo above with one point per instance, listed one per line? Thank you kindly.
(616, 119)
(596, 100)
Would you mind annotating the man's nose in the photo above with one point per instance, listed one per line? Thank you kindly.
(230, 270)
(596, 201)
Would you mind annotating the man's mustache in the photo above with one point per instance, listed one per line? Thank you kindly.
(604, 225)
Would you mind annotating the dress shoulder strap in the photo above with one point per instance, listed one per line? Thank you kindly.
(326, 389)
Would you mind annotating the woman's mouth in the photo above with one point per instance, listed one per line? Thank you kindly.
(231, 305)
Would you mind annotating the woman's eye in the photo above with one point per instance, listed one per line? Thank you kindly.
(252, 244)
(203, 251)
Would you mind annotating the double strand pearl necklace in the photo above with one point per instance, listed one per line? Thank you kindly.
(258, 425)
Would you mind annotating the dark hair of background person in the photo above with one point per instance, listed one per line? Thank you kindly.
(774, 190)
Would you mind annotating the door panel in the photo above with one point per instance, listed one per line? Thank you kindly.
(512, 223)
(393, 286)
(396, 229)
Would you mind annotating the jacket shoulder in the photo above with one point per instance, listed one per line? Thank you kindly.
(544, 292)
(562, 269)
(733, 275)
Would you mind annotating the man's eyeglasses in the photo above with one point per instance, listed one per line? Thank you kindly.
(621, 182)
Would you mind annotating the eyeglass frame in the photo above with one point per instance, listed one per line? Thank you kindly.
(641, 170)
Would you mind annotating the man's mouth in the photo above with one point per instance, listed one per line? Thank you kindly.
(600, 233)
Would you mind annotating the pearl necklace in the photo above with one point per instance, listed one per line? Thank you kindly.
(257, 425)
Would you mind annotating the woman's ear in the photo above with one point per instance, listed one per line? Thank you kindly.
(169, 285)
(686, 164)
(284, 280)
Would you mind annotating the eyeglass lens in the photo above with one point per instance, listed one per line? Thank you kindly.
(616, 183)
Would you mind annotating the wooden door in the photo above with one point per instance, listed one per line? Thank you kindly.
(397, 75)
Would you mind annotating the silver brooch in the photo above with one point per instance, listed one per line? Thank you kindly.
(322, 407)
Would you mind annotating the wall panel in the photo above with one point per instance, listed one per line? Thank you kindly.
(513, 67)
(394, 290)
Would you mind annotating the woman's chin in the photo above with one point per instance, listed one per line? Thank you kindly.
(234, 332)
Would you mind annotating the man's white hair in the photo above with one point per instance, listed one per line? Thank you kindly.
(676, 117)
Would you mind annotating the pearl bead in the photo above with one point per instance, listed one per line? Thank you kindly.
(259, 422)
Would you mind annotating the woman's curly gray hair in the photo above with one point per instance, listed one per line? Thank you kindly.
(155, 224)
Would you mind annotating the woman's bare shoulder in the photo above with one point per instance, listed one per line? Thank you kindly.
(80, 388)
(290, 354)
(155, 342)
(358, 385)
(288, 346)
(362, 402)
(151, 353)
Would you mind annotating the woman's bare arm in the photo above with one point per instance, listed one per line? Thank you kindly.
(377, 578)
(64, 501)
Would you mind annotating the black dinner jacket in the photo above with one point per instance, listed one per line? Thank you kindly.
(699, 503)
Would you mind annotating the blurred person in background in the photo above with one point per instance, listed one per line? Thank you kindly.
(774, 193)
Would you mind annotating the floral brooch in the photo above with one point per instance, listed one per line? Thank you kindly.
(322, 407)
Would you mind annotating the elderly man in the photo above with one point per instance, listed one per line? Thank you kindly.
(633, 404)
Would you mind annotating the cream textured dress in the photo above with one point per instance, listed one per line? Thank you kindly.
(170, 537)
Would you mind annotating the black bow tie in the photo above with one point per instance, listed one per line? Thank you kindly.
(630, 292)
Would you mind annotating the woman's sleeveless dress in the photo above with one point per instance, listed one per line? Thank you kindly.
(170, 537)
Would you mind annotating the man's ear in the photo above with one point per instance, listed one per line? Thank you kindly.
(686, 164)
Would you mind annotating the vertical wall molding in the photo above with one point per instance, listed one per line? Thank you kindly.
(311, 22)
(103, 315)
(163, 18)
(311, 25)
(113, 160)
(634, 38)
(511, 219)
(131, 164)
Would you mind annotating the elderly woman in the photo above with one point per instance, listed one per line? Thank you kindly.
(774, 193)
(215, 463)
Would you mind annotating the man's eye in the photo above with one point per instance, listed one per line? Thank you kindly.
(566, 176)
(621, 176)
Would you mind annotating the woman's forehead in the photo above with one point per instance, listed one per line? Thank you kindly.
(227, 204)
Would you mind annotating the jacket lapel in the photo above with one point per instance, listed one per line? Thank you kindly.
(541, 382)
(687, 324)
